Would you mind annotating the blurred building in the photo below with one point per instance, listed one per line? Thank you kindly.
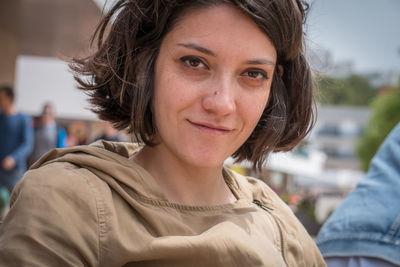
(323, 63)
(48, 28)
(336, 133)
(379, 79)
(36, 39)
(37, 36)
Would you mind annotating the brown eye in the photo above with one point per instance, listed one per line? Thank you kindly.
(256, 74)
(193, 62)
(253, 74)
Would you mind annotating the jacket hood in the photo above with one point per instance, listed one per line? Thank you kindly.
(110, 161)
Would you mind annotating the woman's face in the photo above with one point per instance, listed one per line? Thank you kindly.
(212, 81)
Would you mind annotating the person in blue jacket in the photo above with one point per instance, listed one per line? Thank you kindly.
(16, 139)
(365, 229)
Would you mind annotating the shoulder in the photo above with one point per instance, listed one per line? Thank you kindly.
(60, 192)
(23, 118)
(53, 188)
(55, 213)
(23, 115)
(381, 181)
(61, 180)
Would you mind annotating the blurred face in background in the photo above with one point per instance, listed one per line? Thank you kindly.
(47, 114)
(5, 101)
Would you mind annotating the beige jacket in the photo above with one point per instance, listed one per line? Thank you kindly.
(92, 206)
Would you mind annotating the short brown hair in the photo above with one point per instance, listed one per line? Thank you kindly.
(121, 71)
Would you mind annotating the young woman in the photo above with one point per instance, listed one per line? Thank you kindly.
(194, 82)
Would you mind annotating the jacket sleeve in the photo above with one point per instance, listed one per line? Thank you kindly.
(52, 220)
(367, 221)
(26, 145)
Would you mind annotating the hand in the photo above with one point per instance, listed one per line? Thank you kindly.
(8, 163)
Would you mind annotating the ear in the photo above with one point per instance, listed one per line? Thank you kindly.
(280, 70)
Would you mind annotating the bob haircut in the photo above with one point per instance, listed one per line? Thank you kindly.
(120, 74)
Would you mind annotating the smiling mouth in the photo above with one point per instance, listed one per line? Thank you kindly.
(210, 129)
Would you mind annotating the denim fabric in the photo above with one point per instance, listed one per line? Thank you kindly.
(357, 262)
(367, 223)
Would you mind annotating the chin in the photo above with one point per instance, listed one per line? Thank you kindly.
(206, 161)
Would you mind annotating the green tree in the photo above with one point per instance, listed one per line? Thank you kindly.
(351, 91)
(385, 115)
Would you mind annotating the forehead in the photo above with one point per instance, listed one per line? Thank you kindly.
(222, 26)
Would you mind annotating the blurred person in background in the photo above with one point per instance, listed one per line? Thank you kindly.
(16, 142)
(195, 82)
(16, 139)
(364, 231)
(109, 133)
(77, 133)
(47, 134)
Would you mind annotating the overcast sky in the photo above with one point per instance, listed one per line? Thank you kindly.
(366, 32)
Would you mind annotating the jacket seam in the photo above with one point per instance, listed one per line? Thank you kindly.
(393, 229)
(99, 212)
(166, 203)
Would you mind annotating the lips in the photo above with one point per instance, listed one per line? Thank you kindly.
(211, 128)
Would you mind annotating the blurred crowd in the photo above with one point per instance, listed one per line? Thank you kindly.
(23, 139)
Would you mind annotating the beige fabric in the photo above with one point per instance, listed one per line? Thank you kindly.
(92, 206)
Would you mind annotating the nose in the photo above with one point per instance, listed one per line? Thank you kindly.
(220, 97)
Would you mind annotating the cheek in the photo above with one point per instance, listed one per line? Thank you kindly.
(254, 108)
(174, 92)
(171, 96)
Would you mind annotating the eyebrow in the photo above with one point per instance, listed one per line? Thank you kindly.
(198, 48)
(206, 51)
(260, 62)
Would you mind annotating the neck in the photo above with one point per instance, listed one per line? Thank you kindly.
(185, 184)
